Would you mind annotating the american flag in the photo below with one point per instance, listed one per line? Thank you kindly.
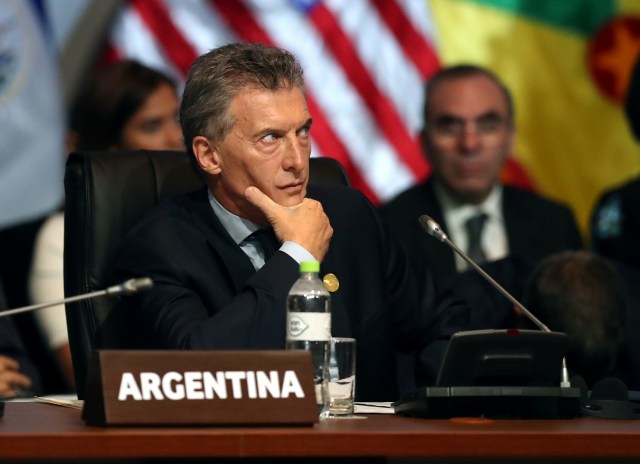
(365, 64)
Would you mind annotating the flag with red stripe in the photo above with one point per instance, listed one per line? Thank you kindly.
(365, 62)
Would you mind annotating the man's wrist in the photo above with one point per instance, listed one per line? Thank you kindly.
(297, 252)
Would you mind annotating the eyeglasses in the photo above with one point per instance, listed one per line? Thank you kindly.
(488, 127)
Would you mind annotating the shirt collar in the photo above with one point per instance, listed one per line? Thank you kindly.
(458, 212)
(238, 228)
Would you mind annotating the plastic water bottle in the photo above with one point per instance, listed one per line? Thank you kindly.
(309, 325)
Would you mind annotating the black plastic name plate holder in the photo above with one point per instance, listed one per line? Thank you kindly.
(498, 374)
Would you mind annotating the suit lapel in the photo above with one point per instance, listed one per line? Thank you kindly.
(236, 263)
(516, 221)
(340, 322)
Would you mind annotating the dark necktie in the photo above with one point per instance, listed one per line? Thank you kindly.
(474, 227)
(267, 240)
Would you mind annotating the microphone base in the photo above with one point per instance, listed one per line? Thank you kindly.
(492, 402)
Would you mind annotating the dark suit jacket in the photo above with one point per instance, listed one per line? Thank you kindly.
(207, 294)
(615, 224)
(535, 227)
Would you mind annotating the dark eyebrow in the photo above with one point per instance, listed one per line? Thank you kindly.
(490, 116)
(447, 118)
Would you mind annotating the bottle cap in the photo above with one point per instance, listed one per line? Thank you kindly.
(309, 266)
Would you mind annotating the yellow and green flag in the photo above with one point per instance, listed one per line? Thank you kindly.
(568, 64)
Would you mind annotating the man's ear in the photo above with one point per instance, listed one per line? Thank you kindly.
(206, 155)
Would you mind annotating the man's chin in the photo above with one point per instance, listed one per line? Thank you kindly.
(473, 194)
(291, 201)
(476, 197)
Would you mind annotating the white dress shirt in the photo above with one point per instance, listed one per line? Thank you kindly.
(494, 234)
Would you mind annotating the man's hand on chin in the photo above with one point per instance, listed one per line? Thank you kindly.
(305, 223)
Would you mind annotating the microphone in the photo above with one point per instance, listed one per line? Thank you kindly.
(432, 228)
(128, 287)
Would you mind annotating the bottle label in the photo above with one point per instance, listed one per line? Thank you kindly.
(312, 327)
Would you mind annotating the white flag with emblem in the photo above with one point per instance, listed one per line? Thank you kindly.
(32, 121)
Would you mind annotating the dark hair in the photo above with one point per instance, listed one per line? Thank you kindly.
(462, 71)
(581, 294)
(109, 100)
(216, 77)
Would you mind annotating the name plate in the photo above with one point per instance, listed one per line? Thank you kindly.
(200, 388)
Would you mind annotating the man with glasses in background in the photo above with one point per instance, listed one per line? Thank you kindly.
(467, 137)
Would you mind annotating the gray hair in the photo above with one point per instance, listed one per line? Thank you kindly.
(216, 77)
(462, 71)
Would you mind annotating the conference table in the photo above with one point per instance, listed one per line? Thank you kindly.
(37, 431)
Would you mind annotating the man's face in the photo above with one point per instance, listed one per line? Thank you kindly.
(468, 136)
(268, 147)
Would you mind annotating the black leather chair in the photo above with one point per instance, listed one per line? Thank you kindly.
(107, 193)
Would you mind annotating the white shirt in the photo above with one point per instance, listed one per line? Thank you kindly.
(494, 235)
(46, 282)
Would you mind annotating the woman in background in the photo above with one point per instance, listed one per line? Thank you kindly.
(125, 106)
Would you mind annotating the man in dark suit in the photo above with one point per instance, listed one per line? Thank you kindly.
(246, 125)
(615, 220)
(468, 135)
